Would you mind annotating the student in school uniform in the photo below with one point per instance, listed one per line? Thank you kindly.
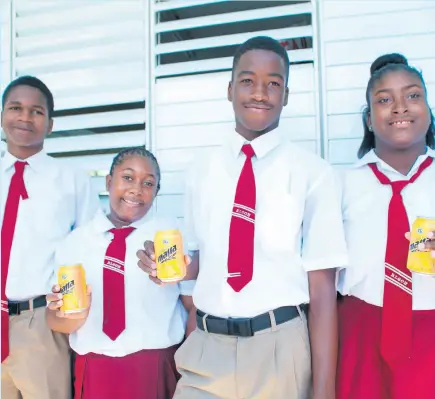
(126, 340)
(387, 315)
(41, 202)
(264, 218)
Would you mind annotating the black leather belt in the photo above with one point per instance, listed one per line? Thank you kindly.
(246, 327)
(15, 308)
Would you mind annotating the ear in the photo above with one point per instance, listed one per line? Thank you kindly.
(368, 119)
(285, 96)
(50, 127)
(230, 92)
(108, 182)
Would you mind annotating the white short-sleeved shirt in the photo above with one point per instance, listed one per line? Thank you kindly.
(365, 214)
(60, 199)
(298, 224)
(155, 316)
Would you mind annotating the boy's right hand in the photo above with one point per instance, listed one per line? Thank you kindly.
(54, 303)
(147, 262)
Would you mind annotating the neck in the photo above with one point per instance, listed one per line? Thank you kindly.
(117, 222)
(23, 152)
(401, 160)
(252, 134)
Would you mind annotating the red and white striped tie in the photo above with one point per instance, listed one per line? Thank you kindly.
(242, 227)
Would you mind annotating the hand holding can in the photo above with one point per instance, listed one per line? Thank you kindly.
(169, 256)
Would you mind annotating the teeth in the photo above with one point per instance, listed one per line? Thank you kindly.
(402, 123)
(131, 202)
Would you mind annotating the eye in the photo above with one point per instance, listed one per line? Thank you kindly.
(247, 80)
(15, 108)
(38, 112)
(383, 100)
(148, 183)
(414, 96)
(276, 84)
(127, 178)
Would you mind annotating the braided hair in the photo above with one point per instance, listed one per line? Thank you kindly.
(136, 151)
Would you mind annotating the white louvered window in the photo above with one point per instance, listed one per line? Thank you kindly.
(92, 55)
(195, 43)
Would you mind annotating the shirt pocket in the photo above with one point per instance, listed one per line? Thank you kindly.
(279, 222)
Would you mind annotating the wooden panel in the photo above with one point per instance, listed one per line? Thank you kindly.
(357, 76)
(367, 50)
(397, 23)
(341, 9)
(221, 111)
(95, 141)
(343, 151)
(195, 88)
(181, 136)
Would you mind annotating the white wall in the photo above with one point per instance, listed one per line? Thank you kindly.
(355, 33)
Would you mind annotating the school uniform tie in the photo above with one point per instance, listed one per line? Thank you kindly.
(396, 336)
(242, 226)
(113, 284)
(17, 190)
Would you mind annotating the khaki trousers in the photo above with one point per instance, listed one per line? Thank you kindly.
(273, 364)
(38, 365)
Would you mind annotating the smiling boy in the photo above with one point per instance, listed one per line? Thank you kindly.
(41, 202)
(264, 217)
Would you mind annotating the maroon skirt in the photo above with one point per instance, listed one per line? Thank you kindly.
(363, 373)
(147, 374)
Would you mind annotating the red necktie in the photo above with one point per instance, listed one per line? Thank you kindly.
(396, 337)
(17, 190)
(241, 244)
(113, 284)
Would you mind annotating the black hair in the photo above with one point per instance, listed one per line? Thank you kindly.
(382, 65)
(32, 82)
(262, 43)
(136, 151)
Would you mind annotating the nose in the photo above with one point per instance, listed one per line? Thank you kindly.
(260, 93)
(25, 115)
(136, 188)
(400, 106)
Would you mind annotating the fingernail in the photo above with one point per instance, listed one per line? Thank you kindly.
(59, 296)
(421, 247)
(431, 234)
(433, 254)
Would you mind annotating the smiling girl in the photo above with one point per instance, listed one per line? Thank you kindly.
(387, 315)
(125, 341)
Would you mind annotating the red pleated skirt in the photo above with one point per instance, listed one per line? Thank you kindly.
(362, 372)
(147, 374)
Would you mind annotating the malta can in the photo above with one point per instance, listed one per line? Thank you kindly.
(421, 261)
(168, 246)
(72, 281)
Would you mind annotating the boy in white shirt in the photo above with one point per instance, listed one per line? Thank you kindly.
(42, 200)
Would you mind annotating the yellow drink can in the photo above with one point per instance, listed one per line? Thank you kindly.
(168, 246)
(421, 261)
(72, 282)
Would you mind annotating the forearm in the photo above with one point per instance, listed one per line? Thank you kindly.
(193, 268)
(191, 309)
(62, 325)
(323, 330)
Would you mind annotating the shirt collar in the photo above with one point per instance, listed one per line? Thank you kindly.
(262, 145)
(371, 157)
(36, 162)
(102, 224)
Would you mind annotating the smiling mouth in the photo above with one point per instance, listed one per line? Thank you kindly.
(133, 203)
(23, 129)
(402, 123)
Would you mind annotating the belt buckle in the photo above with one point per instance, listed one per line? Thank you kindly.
(14, 309)
(240, 327)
